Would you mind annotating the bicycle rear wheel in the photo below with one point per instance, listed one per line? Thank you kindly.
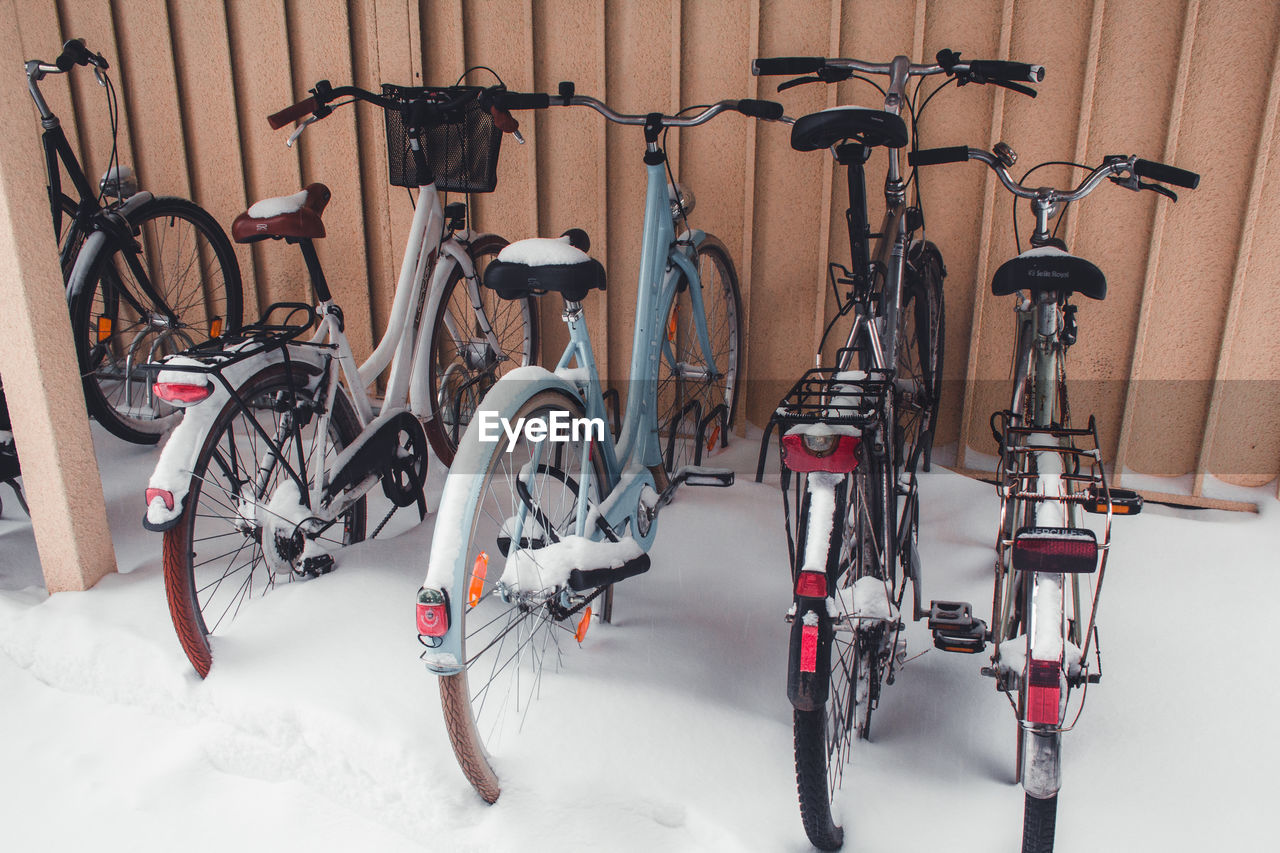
(517, 619)
(118, 329)
(697, 399)
(238, 535)
(463, 365)
(921, 331)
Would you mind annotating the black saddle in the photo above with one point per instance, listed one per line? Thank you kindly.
(540, 265)
(868, 127)
(1052, 271)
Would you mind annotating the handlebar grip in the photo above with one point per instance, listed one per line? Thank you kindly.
(521, 100)
(938, 156)
(780, 65)
(999, 69)
(293, 113)
(770, 110)
(73, 53)
(1166, 174)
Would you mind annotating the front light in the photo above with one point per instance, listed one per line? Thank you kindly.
(681, 197)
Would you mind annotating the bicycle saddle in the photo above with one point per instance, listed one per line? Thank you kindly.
(542, 264)
(869, 127)
(296, 215)
(1049, 269)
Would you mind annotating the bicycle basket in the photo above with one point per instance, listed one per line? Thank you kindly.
(462, 152)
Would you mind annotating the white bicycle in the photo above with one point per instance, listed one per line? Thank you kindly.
(265, 477)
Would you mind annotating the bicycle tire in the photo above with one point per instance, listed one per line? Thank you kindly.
(192, 265)
(227, 462)
(457, 376)
(1039, 821)
(810, 738)
(685, 383)
(921, 343)
(475, 726)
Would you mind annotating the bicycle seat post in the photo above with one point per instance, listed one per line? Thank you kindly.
(318, 281)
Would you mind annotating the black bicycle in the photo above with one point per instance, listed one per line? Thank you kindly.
(146, 276)
(853, 433)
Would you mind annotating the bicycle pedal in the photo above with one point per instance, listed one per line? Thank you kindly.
(697, 475)
(969, 640)
(321, 564)
(1123, 501)
(947, 615)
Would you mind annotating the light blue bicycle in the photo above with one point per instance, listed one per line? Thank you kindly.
(533, 531)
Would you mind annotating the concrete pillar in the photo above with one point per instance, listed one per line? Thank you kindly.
(37, 354)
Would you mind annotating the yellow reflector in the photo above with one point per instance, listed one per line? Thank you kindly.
(584, 624)
(215, 328)
(104, 328)
(478, 572)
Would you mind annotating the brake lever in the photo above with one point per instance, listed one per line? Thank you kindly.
(1157, 188)
(293, 137)
(798, 81)
(1015, 87)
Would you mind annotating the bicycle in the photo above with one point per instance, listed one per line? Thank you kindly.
(852, 434)
(1043, 616)
(146, 276)
(282, 439)
(532, 535)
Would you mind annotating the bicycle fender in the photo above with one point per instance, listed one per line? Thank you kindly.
(446, 569)
(809, 663)
(86, 260)
(172, 473)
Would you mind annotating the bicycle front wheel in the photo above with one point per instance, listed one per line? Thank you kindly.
(464, 364)
(518, 619)
(697, 396)
(240, 533)
(120, 329)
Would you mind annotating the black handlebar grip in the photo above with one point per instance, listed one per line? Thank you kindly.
(998, 69)
(293, 113)
(771, 110)
(522, 100)
(938, 156)
(73, 53)
(1166, 174)
(780, 65)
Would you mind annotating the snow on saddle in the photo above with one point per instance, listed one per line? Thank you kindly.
(542, 264)
(289, 216)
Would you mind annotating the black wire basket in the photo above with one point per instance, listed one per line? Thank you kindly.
(462, 150)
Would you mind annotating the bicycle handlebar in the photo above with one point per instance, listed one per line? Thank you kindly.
(1115, 166)
(75, 53)
(766, 110)
(998, 72)
(293, 113)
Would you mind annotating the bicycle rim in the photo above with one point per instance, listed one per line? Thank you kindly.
(236, 541)
(696, 401)
(516, 625)
(463, 365)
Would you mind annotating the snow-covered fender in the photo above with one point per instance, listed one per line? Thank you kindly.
(446, 566)
(818, 549)
(172, 473)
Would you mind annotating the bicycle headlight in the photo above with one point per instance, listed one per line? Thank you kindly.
(681, 197)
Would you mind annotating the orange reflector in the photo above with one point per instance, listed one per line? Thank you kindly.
(713, 438)
(104, 328)
(584, 624)
(478, 572)
(215, 327)
(671, 324)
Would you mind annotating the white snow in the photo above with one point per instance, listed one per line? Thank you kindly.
(532, 569)
(822, 512)
(319, 728)
(270, 207)
(1044, 252)
(869, 599)
(543, 252)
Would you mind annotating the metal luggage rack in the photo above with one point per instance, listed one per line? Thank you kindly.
(1085, 481)
(810, 401)
(249, 341)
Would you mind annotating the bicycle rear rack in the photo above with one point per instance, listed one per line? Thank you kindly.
(250, 341)
(831, 396)
(1083, 486)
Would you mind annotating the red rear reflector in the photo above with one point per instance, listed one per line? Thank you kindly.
(433, 613)
(584, 624)
(1044, 692)
(479, 570)
(842, 459)
(163, 494)
(181, 392)
(809, 648)
(1060, 550)
(811, 584)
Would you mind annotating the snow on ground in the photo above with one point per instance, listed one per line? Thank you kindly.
(319, 729)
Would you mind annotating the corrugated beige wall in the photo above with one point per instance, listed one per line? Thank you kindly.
(1180, 362)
